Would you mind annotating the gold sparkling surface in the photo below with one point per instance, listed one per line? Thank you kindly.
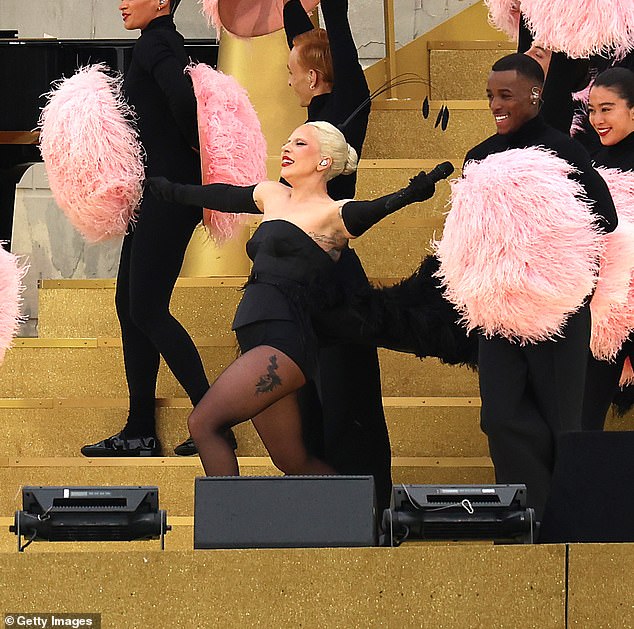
(203, 311)
(395, 251)
(98, 372)
(601, 584)
(406, 134)
(461, 74)
(412, 586)
(61, 430)
(87, 371)
(403, 374)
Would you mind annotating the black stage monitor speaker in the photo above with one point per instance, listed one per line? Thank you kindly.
(284, 512)
(592, 491)
(458, 512)
(74, 514)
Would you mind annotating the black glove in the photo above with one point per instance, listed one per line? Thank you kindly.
(359, 216)
(222, 197)
(162, 188)
(421, 187)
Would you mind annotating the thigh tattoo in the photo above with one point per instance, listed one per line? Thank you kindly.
(270, 380)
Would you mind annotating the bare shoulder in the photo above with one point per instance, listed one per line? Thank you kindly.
(268, 192)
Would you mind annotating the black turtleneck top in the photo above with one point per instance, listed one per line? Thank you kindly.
(350, 87)
(163, 98)
(537, 133)
(619, 155)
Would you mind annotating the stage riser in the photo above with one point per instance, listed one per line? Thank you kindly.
(405, 134)
(176, 479)
(414, 431)
(43, 372)
(444, 431)
(462, 74)
(407, 587)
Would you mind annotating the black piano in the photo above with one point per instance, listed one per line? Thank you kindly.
(27, 69)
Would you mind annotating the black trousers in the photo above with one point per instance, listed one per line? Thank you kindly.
(151, 259)
(530, 396)
(602, 384)
(342, 412)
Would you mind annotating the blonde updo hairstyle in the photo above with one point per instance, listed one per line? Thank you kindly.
(333, 145)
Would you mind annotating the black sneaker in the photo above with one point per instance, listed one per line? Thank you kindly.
(188, 447)
(120, 446)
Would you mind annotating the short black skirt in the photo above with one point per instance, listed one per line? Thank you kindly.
(285, 336)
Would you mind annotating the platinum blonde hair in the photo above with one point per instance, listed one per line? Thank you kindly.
(333, 145)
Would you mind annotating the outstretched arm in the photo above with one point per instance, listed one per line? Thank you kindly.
(296, 20)
(221, 197)
(359, 216)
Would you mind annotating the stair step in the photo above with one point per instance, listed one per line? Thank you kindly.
(43, 427)
(398, 130)
(175, 475)
(460, 69)
(52, 368)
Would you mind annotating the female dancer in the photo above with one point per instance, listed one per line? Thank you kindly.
(344, 418)
(611, 109)
(152, 254)
(295, 252)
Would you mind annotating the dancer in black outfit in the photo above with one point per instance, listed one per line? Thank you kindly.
(343, 414)
(533, 393)
(153, 251)
(611, 109)
(295, 252)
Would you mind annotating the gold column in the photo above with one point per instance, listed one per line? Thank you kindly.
(259, 65)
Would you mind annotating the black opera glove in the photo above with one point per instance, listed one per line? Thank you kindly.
(420, 188)
(222, 197)
(359, 216)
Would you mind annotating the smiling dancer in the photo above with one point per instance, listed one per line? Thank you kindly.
(533, 392)
(295, 253)
(611, 113)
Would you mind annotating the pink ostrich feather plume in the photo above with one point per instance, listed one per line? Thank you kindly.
(504, 16)
(11, 274)
(210, 11)
(581, 100)
(232, 145)
(520, 247)
(581, 28)
(92, 154)
(612, 304)
(627, 375)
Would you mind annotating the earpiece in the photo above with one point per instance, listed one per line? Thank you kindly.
(324, 162)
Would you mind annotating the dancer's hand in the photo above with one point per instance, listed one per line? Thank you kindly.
(161, 187)
(421, 187)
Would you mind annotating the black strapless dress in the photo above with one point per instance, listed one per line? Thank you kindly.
(289, 279)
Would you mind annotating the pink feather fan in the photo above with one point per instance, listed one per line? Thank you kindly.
(232, 146)
(11, 274)
(92, 154)
(581, 28)
(504, 15)
(520, 248)
(612, 304)
(210, 11)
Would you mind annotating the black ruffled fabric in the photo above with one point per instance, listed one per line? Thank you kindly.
(411, 316)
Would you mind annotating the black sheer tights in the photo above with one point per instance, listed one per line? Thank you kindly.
(261, 385)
